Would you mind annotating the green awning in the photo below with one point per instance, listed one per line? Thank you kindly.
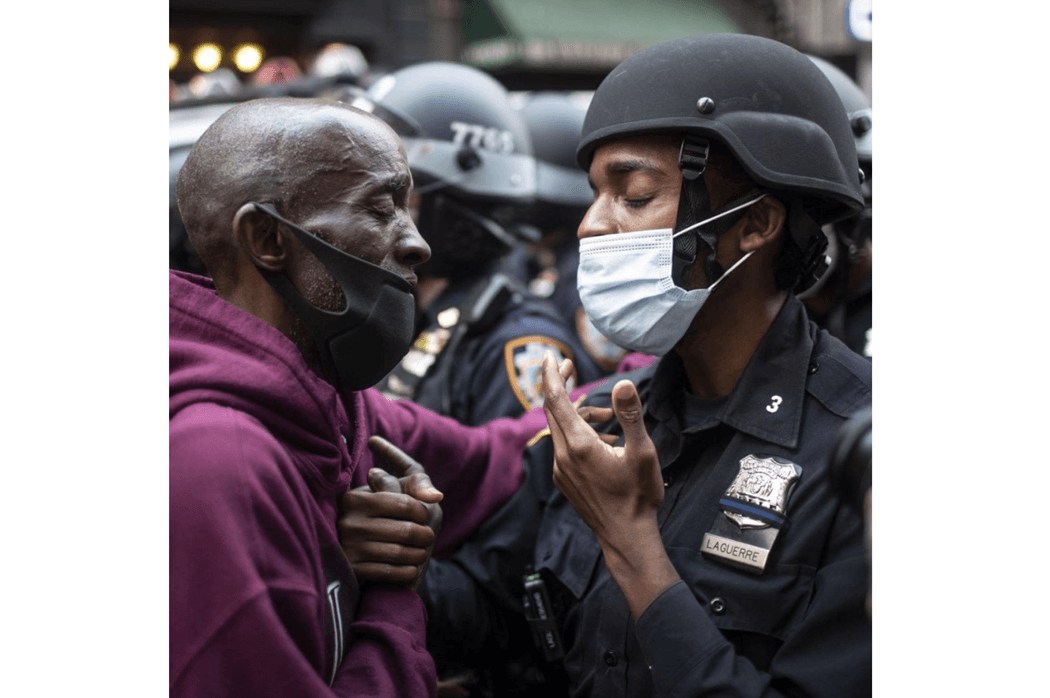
(579, 33)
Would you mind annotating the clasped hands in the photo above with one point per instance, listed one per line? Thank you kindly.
(387, 528)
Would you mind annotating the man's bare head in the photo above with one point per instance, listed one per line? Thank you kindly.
(295, 153)
(336, 171)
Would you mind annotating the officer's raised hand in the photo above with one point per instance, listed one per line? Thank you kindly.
(387, 528)
(615, 489)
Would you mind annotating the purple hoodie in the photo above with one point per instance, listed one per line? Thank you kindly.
(262, 600)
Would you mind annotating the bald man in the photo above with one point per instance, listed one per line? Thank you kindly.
(299, 210)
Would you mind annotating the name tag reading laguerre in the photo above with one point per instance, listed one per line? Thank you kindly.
(754, 512)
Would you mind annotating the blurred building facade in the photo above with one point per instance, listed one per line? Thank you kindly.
(528, 44)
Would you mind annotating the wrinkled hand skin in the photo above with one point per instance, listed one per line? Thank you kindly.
(387, 528)
(616, 490)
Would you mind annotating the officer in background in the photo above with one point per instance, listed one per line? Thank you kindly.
(555, 120)
(840, 301)
(482, 336)
(706, 553)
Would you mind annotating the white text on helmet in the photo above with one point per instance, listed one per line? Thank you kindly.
(481, 137)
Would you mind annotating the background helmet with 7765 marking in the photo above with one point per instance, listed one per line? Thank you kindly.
(470, 156)
(768, 104)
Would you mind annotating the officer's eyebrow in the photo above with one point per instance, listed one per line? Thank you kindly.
(631, 165)
(626, 166)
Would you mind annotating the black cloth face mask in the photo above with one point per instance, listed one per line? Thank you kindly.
(363, 342)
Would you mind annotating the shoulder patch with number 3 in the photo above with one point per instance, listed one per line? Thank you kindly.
(524, 361)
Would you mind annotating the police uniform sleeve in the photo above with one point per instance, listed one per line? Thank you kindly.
(827, 654)
(474, 598)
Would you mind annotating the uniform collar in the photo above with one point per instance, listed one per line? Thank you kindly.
(767, 401)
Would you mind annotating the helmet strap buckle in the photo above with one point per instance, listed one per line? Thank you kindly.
(693, 205)
(692, 158)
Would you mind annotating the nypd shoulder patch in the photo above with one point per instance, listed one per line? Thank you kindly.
(524, 360)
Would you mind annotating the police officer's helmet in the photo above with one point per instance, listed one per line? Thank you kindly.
(470, 156)
(853, 230)
(555, 122)
(767, 103)
(856, 104)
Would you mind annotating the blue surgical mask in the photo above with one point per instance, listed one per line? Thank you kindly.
(626, 287)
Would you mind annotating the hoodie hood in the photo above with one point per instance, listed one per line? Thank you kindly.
(221, 354)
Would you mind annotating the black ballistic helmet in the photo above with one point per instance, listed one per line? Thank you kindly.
(766, 102)
(470, 155)
(769, 105)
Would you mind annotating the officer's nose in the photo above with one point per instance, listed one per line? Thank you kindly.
(596, 221)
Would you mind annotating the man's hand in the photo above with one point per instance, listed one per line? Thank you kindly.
(387, 529)
(615, 489)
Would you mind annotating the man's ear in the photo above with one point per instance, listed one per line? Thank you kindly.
(764, 221)
(260, 238)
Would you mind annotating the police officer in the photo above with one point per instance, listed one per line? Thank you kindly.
(482, 336)
(840, 301)
(705, 553)
(555, 120)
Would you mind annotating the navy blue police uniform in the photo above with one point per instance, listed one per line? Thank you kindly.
(479, 353)
(773, 566)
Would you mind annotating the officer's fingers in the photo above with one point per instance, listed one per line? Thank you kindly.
(557, 437)
(405, 575)
(567, 370)
(420, 487)
(556, 401)
(382, 481)
(595, 415)
(610, 439)
(401, 464)
(552, 380)
(628, 408)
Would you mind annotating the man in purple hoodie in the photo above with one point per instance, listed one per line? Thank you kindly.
(299, 210)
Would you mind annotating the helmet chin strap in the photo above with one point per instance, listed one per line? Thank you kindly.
(694, 205)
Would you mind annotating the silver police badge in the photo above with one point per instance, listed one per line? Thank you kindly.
(753, 509)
